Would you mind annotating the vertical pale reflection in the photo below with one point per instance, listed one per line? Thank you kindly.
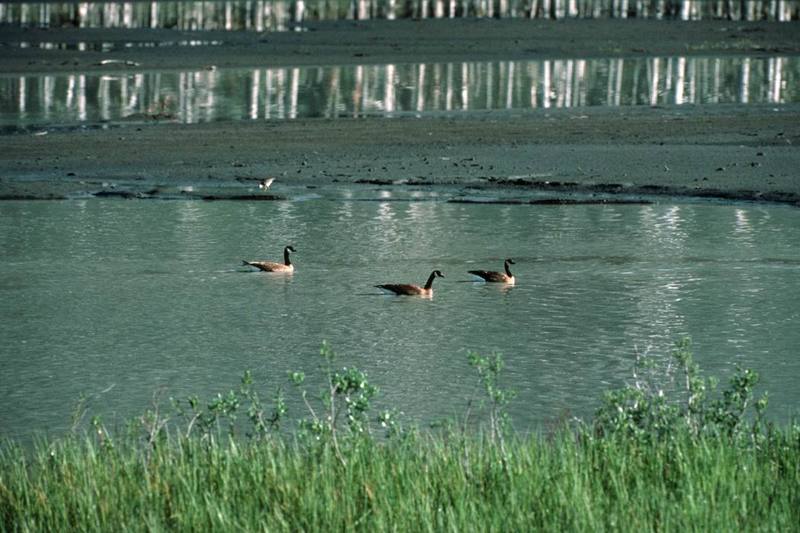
(657, 300)
(581, 89)
(359, 95)
(510, 86)
(388, 89)
(269, 89)
(82, 113)
(255, 91)
(680, 81)
(488, 69)
(22, 93)
(668, 81)
(546, 88)
(210, 86)
(464, 86)
(135, 104)
(448, 103)
(70, 97)
(568, 77)
(49, 84)
(123, 94)
(654, 81)
(436, 102)
(420, 104)
(333, 95)
(743, 229)
(386, 227)
(103, 98)
(775, 79)
(280, 82)
(744, 88)
(191, 230)
(532, 72)
(183, 81)
(294, 85)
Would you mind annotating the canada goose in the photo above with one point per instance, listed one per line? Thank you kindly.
(413, 290)
(498, 277)
(265, 184)
(269, 266)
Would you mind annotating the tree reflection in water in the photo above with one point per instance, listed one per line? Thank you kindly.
(393, 90)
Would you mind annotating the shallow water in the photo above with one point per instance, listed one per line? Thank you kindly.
(124, 299)
(392, 90)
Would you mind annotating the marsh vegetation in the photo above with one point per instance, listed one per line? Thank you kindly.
(665, 452)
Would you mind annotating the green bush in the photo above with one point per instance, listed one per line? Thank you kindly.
(651, 407)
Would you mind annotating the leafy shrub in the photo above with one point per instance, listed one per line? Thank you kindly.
(658, 403)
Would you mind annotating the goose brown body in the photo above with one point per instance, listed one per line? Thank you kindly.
(271, 266)
(407, 289)
(497, 277)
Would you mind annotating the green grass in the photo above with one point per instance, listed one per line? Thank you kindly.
(685, 458)
(442, 482)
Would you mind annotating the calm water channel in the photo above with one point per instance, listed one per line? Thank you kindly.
(122, 299)
(393, 90)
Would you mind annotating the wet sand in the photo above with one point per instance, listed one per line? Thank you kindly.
(723, 151)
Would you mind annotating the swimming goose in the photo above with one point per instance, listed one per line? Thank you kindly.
(412, 290)
(498, 277)
(269, 266)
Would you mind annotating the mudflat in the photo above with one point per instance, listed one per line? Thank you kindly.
(731, 151)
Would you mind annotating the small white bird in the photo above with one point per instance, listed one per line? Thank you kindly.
(265, 184)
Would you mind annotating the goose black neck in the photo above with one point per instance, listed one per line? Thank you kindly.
(286, 256)
(429, 283)
(508, 270)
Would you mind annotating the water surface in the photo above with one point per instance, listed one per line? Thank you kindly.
(124, 299)
(393, 90)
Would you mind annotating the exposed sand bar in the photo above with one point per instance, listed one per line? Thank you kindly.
(727, 151)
